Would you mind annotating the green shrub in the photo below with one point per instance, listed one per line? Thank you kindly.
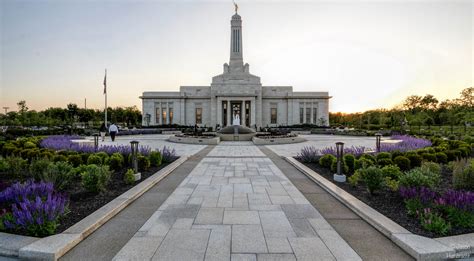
(3, 165)
(85, 157)
(383, 155)
(143, 163)
(441, 157)
(344, 167)
(402, 162)
(384, 162)
(465, 151)
(129, 178)
(363, 163)
(104, 156)
(95, 178)
(420, 177)
(75, 160)
(59, 174)
(39, 167)
(46, 154)
(327, 160)
(415, 159)
(431, 167)
(396, 154)
(392, 171)
(115, 161)
(33, 154)
(155, 158)
(356, 178)
(94, 159)
(24, 153)
(458, 154)
(29, 145)
(17, 166)
(463, 174)
(459, 217)
(8, 149)
(451, 155)
(434, 222)
(58, 158)
(369, 157)
(429, 157)
(373, 179)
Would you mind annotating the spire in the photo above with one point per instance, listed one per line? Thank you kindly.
(236, 58)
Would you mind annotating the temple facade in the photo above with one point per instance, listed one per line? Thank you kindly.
(235, 92)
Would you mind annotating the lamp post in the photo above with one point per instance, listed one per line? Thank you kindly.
(378, 138)
(339, 176)
(134, 146)
(96, 141)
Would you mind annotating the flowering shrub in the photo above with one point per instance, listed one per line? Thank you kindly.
(168, 155)
(308, 154)
(438, 212)
(407, 143)
(64, 142)
(31, 208)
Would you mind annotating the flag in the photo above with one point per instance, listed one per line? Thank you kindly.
(105, 82)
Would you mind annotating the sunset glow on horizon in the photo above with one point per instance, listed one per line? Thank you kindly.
(367, 55)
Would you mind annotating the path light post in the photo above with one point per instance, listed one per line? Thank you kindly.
(134, 147)
(96, 141)
(339, 176)
(378, 138)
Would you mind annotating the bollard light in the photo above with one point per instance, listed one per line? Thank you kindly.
(378, 138)
(134, 146)
(96, 141)
(339, 176)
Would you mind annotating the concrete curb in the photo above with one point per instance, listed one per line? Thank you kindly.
(53, 247)
(419, 247)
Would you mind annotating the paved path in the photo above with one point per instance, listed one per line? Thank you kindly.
(236, 204)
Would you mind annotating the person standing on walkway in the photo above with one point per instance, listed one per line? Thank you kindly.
(113, 130)
(103, 131)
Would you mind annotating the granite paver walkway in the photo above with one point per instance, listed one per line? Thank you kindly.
(236, 204)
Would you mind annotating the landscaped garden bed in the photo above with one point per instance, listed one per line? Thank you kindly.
(423, 185)
(48, 185)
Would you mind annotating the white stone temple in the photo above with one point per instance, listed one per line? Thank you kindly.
(235, 92)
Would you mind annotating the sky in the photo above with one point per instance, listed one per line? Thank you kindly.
(366, 54)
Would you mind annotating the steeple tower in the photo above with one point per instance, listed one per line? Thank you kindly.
(236, 62)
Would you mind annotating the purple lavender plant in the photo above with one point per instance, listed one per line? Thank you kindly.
(424, 194)
(463, 200)
(407, 143)
(308, 154)
(33, 208)
(168, 155)
(64, 142)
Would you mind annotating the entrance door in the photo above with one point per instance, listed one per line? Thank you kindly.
(236, 108)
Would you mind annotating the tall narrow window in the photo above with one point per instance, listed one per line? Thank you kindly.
(163, 118)
(238, 40)
(301, 112)
(170, 111)
(198, 115)
(315, 115)
(157, 115)
(273, 116)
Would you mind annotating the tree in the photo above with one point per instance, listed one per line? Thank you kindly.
(412, 103)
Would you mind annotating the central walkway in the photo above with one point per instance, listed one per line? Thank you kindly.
(236, 204)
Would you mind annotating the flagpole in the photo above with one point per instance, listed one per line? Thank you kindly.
(105, 92)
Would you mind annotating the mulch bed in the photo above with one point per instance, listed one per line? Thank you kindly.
(390, 203)
(83, 203)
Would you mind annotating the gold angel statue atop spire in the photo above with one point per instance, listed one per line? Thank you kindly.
(236, 6)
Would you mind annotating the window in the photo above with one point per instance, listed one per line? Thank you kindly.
(315, 115)
(308, 112)
(301, 115)
(163, 113)
(198, 115)
(157, 115)
(273, 115)
(170, 111)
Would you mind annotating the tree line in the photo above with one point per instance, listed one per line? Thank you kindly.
(414, 111)
(69, 116)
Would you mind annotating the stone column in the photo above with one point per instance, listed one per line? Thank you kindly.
(311, 108)
(219, 112)
(242, 113)
(229, 112)
(252, 112)
(167, 113)
(304, 112)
